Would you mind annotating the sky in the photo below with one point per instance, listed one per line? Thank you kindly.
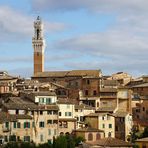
(111, 35)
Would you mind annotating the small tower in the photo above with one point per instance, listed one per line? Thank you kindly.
(38, 44)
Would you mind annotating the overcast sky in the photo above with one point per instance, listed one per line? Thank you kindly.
(111, 35)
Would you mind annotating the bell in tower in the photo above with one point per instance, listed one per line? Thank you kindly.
(38, 45)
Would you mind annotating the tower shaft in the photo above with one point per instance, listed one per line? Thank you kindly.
(38, 44)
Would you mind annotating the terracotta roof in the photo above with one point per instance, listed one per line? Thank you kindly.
(88, 129)
(110, 82)
(82, 106)
(142, 140)
(29, 106)
(120, 114)
(141, 85)
(112, 142)
(68, 119)
(95, 73)
(20, 106)
(108, 90)
(23, 117)
(64, 101)
(143, 123)
(7, 77)
(5, 117)
(15, 100)
(44, 93)
(51, 74)
(106, 109)
(95, 114)
(58, 85)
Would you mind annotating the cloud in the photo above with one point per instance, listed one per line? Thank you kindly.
(16, 25)
(96, 5)
(113, 50)
(15, 59)
(123, 45)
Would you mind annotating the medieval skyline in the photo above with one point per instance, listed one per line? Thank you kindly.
(111, 36)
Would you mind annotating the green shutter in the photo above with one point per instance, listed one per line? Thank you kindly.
(24, 124)
(28, 124)
(14, 124)
(7, 124)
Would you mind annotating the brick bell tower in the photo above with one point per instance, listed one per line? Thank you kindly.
(38, 44)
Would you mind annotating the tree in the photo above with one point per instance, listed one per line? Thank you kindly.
(133, 135)
(61, 142)
(145, 133)
(70, 141)
(78, 140)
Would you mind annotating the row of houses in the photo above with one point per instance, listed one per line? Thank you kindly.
(83, 102)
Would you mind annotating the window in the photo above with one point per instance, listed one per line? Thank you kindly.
(97, 104)
(26, 124)
(122, 119)
(90, 137)
(18, 125)
(88, 82)
(41, 124)
(17, 112)
(49, 132)
(55, 131)
(98, 136)
(5, 138)
(55, 112)
(14, 124)
(49, 112)
(81, 118)
(68, 114)
(55, 121)
(86, 92)
(103, 117)
(7, 125)
(48, 100)
(32, 112)
(116, 128)
(60, 114)
(103, 125)
(41, 138)
(41, 112)
(18, 138)
(110, 126)
(27, 138)
(49, 121)
(94, 92)
(41, 100)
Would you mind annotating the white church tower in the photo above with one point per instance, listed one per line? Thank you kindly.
(38, 45)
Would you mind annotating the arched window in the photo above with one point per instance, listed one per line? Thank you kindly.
(97, 136)
(90, 137)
